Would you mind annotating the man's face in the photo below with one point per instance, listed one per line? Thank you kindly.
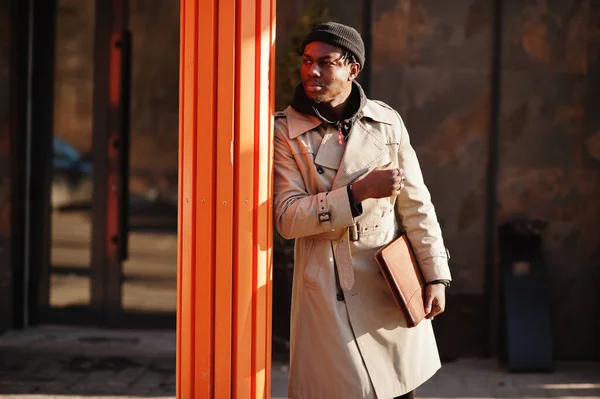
(326, 75)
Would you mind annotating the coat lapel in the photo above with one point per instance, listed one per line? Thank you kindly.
(365, 150)
(299, 123)
(330, 153)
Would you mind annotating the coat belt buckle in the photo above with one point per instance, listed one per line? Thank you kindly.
(355, 232)
(324, 217)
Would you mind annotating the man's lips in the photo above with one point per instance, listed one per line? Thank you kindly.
(312, 85)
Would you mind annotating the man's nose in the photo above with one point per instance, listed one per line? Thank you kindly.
(314, 70)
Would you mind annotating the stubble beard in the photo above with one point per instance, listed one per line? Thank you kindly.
(319, 98)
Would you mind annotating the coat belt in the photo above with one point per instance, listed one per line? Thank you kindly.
(343, 262)
(343, 252)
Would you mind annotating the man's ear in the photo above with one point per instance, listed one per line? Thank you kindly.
(354, 71)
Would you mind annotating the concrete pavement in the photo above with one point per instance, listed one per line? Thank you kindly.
(68, 363)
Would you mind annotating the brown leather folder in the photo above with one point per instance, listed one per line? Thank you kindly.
(403, 275)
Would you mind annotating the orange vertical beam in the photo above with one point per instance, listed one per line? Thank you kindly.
(225, 205)
(270, 133)
(204, 199)
(197, 204)
(244, 151)
(225, 112)
(187, 203)
(262, 149)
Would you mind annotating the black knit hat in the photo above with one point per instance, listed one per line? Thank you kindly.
(338, 35)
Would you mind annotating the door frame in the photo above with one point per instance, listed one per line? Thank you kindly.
(32, 94)
(33, 137)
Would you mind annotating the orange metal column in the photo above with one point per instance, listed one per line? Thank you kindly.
(225, 204)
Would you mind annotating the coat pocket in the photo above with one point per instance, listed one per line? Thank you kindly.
(312, 267)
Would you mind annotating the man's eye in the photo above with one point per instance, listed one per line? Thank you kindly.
(306, 61)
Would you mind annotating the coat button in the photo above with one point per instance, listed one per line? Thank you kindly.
(320, 170)
(340, 296)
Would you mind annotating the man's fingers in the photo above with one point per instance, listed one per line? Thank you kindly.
(428, 303)
(435, 301)
(441, 304)
(397, 188)
(435, 310)
(395, 171)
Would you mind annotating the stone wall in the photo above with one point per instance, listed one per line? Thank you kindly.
(436, 71)
(429, 74)
(550, 153)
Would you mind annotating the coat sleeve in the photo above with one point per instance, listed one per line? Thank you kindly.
(298, 214)
(417, 215)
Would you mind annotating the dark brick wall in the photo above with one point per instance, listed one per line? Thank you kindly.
(5, 182)
(550, 153)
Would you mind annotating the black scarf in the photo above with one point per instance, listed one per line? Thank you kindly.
(358, 100)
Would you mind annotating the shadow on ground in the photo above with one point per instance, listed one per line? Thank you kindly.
(24, 371)
(59, 361)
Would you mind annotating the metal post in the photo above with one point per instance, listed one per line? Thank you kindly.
(108, 146)
(39, 153)
(225, 179)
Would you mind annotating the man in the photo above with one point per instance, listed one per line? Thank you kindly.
(346, 181)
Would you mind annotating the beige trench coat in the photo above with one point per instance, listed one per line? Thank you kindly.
(359, 347)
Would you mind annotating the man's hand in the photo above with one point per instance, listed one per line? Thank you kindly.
(435, 300)
(381, 182)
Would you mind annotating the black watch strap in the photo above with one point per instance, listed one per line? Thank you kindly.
(445, 282)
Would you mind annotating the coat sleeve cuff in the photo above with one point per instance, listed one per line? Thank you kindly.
(434, 265)
(334, 209)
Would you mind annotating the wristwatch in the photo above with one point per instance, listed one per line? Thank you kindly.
(445, 282)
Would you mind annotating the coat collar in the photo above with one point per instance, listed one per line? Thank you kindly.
(379, 113)
(301, 123)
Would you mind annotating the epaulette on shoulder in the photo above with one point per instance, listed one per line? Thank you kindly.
(280, 114)
(384, 105)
